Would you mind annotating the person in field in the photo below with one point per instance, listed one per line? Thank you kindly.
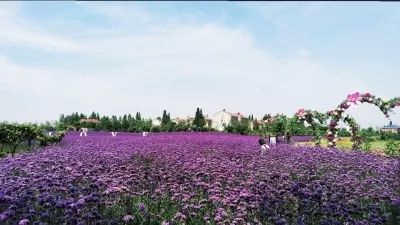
(264, 145)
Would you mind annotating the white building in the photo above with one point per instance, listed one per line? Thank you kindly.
(223, 118)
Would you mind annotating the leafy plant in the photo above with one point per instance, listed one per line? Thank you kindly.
(392, 148)
(367, 146)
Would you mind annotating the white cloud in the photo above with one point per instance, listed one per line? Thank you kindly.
(173, 66)
(14, 30)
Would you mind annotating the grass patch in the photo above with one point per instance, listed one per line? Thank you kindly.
(377, 146)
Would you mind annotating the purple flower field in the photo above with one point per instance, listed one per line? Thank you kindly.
(195, 178)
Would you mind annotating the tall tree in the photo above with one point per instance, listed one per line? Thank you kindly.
(256, 127)
(62, 118)
(93, 115)
(115, 123)
(165, 118)
(138, 116)
(125, 123)
(198, 122)
(267, 116)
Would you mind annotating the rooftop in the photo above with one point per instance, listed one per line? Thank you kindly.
(391, 126)
(89, 120)
(233, 114)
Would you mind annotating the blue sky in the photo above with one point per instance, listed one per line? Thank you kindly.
(258, 57)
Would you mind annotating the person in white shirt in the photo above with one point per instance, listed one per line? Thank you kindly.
(264, 145)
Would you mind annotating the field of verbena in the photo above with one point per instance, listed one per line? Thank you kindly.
(195, 178)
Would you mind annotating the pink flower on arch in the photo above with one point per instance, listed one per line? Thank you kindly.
(354, 98)
(301, 114)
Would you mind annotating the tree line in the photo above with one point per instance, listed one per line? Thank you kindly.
(24, 136)
(276, 125)
(130, 123)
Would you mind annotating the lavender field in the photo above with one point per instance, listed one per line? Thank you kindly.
(195, 178)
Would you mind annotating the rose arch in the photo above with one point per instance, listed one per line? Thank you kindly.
(355, 99)
(312, 119)
(315, 119)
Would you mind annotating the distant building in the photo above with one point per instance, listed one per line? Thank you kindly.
(223, 118)
(391, 128)
(208, 121)
(89, 121)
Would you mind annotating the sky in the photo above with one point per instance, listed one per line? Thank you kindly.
(247, 57)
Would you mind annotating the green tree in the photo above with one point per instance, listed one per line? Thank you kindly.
(342, 132)
(287, 126)
(3, 135)
(267, 116)
(125, 123)
(165, 118)
(14, 137)
(238, 127)
(28, 133)
(392, 148)
(138, 116)
(116, 123)
(198, 122)
(105, 123)
(256, 126)
(93, 115)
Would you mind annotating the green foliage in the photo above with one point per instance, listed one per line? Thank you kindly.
(342, 132)
(267, 116)
(127, 122)
(198, 122)
(367, 146)
(389, 136)
(165, 118)
(182, 126)
(169, 127)
(287, 126)
(392, 148)
(138, 116)
(105, 123)
(241, 127)
(256, 126)
(155, 129)
(14, 134)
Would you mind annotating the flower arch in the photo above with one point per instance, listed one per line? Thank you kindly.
(393, 103)
(312, 119)
(355, 99)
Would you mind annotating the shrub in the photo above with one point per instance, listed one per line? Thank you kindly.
(2, 154)
(367, 146)
(392, 148)
(155, 129)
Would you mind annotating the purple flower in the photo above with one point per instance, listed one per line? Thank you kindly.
(219, 174)
(23, 222)
(142, 207)
(128, 218)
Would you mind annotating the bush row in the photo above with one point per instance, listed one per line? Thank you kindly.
(12, 135)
